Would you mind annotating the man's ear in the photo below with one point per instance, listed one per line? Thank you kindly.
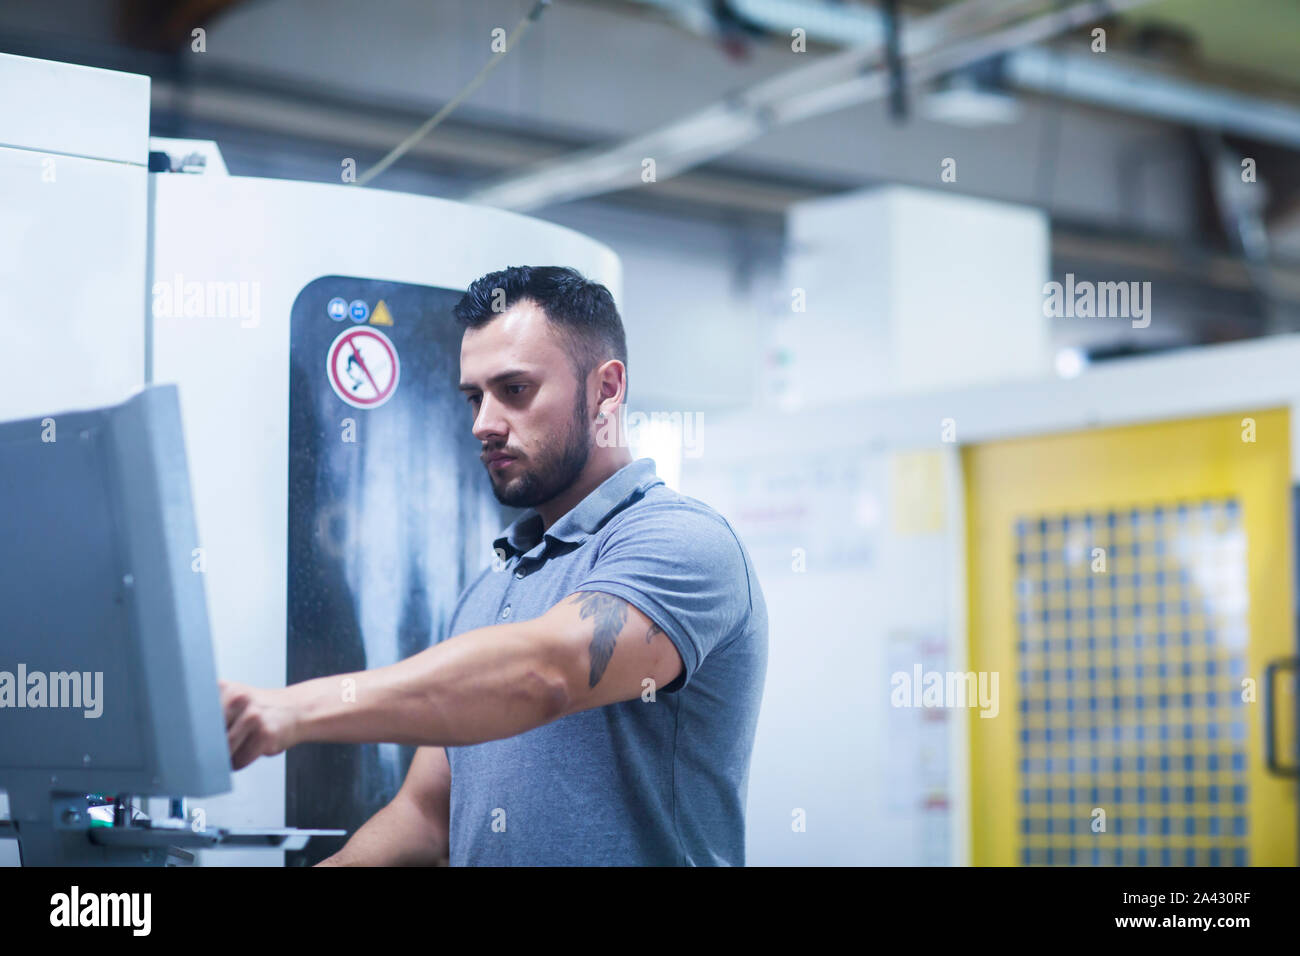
(614, 374)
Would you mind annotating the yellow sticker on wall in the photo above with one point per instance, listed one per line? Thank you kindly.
(917, 492)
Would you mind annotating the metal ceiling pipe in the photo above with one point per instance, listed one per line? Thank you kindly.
(954, 56)
(1110, 82)
(930, 48)
(835, 23)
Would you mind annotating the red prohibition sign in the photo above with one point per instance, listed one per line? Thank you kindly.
(362, 367)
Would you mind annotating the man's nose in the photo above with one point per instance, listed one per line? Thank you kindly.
(488, 424)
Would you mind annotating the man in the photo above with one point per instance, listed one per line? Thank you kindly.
(595, 697)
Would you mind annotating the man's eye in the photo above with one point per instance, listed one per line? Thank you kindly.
(520, 387)
(472, 399)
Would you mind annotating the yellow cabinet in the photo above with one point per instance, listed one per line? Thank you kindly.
(1130, 587)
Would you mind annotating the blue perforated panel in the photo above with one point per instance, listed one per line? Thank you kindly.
(1131, 647)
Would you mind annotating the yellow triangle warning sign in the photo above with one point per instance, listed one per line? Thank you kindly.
(381, 315)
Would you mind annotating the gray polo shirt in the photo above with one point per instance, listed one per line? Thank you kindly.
(659, 782)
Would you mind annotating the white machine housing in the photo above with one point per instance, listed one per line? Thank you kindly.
(98, 258)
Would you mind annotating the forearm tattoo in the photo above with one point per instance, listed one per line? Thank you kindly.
(610, 614)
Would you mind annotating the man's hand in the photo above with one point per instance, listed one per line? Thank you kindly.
(260, 722)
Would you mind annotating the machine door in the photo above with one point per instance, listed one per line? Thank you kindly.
(1132, 587)
(390, 515)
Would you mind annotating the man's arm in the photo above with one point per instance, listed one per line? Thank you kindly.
(612, 651)
(589, 650)
(412, 830)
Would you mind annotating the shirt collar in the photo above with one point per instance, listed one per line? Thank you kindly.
(587, 516)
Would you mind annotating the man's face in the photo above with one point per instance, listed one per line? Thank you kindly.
(527, 406)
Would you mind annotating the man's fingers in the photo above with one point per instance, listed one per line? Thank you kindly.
(239, 734)
(245, 755)
(233, 703)
(246, 750)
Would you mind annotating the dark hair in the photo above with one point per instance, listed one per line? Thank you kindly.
(582, 311)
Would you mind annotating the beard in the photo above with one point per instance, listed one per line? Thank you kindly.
(548, 477)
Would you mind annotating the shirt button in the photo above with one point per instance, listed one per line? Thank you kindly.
(505, 612)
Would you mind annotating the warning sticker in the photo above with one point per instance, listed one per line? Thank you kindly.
(362, 367)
